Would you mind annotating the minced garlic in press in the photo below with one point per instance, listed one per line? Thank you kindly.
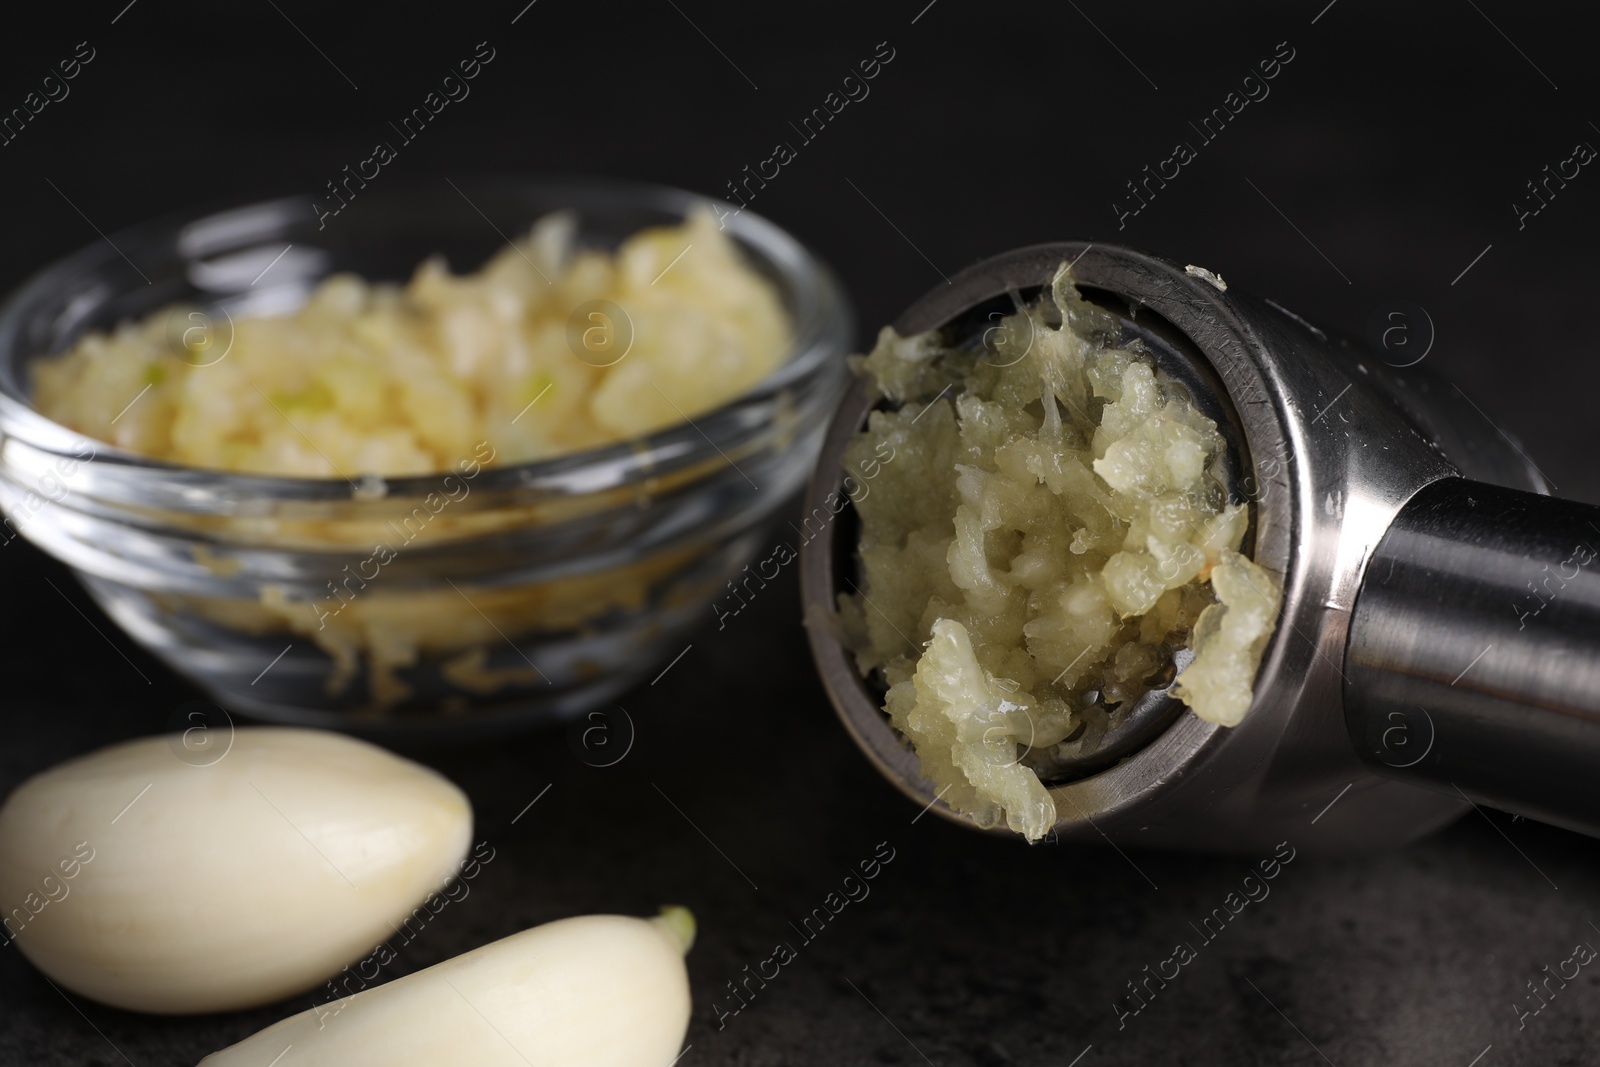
(1055, 528)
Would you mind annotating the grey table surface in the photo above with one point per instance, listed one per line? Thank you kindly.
(742, 799)
(1383, 165)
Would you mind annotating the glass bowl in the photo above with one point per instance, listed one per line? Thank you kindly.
(523, 593)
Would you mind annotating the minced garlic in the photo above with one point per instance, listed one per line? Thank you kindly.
(548, 348)
(1041, 549)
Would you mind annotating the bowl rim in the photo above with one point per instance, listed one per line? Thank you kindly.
(823, 321)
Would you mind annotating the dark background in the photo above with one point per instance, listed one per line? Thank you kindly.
(1386, 158)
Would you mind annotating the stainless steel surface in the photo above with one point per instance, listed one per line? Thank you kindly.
(1333, 444)
(1472, 666)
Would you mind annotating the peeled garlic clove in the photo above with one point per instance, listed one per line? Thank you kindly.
(594, 991)
(143, 881)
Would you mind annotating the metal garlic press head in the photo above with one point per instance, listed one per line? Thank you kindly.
(1440, 623)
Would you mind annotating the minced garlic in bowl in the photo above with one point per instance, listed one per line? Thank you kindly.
(332, 498)
(547, 348)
